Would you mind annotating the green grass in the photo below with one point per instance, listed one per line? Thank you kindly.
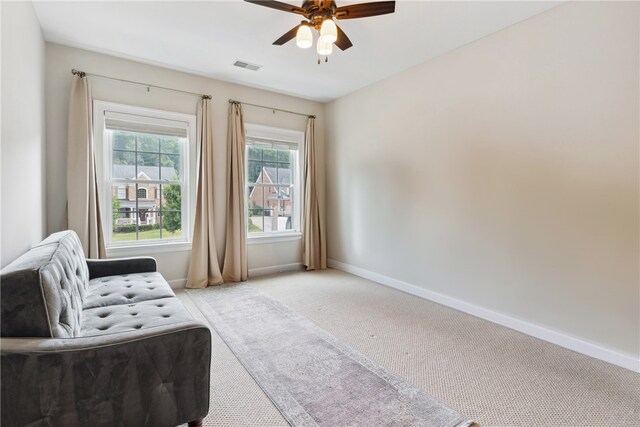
(145, 235)
(253, 228)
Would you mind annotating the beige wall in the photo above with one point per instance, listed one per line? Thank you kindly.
(504, 174)
(60, 61)
(22, 145)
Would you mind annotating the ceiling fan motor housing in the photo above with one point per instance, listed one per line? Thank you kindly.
(318, 10)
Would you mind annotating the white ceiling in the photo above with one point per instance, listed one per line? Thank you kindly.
(207, 37)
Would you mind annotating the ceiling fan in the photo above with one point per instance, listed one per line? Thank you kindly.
(320, 15)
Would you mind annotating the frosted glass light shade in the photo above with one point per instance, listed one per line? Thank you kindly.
(329, 31)
(324, 48)
(304, 38)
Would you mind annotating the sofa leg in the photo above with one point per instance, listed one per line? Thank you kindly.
(196, 423)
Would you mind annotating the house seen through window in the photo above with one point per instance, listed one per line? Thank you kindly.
(272, 181)
(145, 162)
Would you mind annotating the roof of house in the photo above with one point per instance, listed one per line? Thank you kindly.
(164, 173)
(279, 176)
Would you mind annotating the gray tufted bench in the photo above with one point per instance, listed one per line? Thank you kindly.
(97, 342)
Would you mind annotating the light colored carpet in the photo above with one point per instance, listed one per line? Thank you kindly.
(492, 374)
(313, 378)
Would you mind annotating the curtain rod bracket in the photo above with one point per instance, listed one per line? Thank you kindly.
(206, 96)
(78, 73)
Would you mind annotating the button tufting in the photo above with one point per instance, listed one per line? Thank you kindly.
(160, 305)
(103, 295)
(138, 326)
(166, 315)
(103, 328)
(134, 314)
(128, 286)
(103, 315)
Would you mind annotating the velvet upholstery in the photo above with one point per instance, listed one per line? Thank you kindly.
(116, 349)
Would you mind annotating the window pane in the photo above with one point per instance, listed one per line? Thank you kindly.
(255, 222)
(253, 172)
(170, 145)
(124, 225)
(171, 224)
(284, 174)
(270, 155)
(170, 170)
(148, 143)
(171, 211)
(284, 156)
(148, 159)
(255, 153)
(270, 171)
(124, 164)
(124, 141)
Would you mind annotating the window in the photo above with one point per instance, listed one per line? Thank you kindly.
(142, 193)
(122, 192)
(273, 180)
(145, 175)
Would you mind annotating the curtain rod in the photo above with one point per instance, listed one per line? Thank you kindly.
(82, 74)
(232, 101)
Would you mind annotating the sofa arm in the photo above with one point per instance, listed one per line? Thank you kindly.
(116, 266)
(150, 377)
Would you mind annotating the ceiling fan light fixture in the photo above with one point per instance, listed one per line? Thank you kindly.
(328, 31)
(304, 38)
(324, 48)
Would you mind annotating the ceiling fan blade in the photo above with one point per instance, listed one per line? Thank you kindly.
(364, 10)
(343, 41)
(278, 6)
(287, 36)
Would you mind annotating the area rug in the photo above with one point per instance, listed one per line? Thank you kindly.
(312, 377)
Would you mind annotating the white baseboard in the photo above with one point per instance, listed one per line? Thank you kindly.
(253, 272)
(177, 283)
(263, 271)
(555, 337)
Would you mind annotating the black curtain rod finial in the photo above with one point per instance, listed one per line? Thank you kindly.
(206, 96)
(78, 73)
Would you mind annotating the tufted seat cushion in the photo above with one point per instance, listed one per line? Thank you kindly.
(126, 289)
(131, 317)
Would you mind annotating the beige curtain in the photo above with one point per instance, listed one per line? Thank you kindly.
(235, 256)
(313, 233)
(204, 269)
(83, 211)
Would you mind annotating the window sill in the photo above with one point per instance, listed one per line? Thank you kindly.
(143, 250)
(259, 238)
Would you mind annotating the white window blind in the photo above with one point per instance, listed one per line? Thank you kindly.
(143, 124)
(270, 143)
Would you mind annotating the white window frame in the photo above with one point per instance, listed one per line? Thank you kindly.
(121, 188)
(104, 155)
(288, 136)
